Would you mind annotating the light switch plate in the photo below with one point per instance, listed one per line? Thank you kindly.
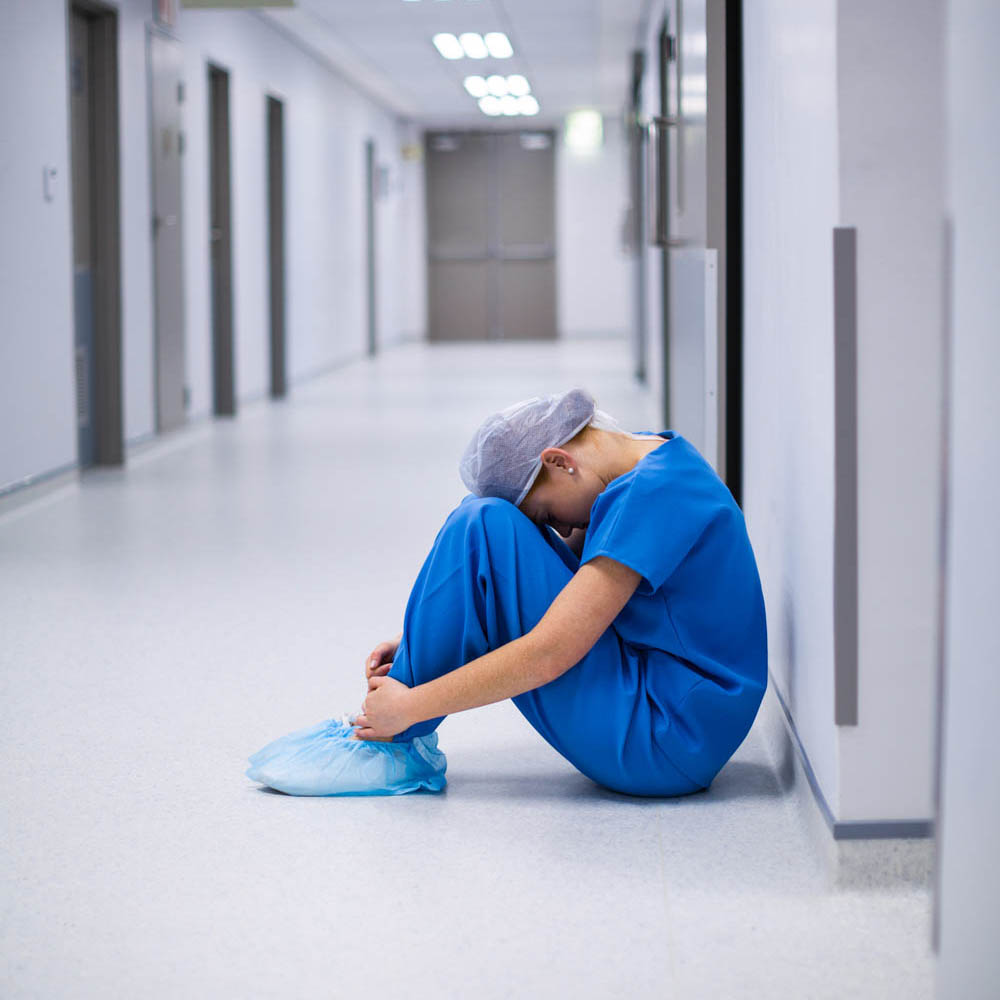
(49, 182)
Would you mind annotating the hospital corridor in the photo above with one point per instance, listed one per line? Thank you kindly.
(497, 499)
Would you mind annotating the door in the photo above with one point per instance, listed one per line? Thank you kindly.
(524, 242)
(371, 193)
(635, 236)
(695, 175)
(93, 101)
(276, 241)
(81, 115)
(458, 236)
(220, 237)
(166, 93)
(491, 236)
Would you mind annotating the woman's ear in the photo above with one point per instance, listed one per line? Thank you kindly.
(556, 458)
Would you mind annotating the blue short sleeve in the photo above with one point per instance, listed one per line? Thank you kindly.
(652, 517)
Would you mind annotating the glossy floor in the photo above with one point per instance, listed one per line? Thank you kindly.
(163, 621)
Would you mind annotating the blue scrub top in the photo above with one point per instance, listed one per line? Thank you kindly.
(673, 521)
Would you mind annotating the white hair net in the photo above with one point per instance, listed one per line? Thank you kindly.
(502, 459)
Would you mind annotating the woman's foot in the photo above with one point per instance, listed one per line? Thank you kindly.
(379, 739)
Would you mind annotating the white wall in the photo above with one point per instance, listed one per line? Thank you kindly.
(326, 124)
(968, 958)
(791, 201)
(593, 269)
(891, 115)
(37, 405)
(844, 127)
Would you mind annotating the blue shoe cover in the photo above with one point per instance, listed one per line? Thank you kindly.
(325, 759)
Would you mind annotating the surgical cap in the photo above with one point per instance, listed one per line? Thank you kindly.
(502, 459)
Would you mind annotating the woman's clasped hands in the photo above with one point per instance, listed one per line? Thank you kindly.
(385, 710)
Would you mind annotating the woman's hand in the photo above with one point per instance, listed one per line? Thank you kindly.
(386, 710)
(380, 659)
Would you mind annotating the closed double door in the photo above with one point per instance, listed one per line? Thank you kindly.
(491, 235)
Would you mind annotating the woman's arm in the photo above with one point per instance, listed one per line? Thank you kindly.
(575, 620)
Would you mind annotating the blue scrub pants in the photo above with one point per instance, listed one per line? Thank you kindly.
(488, 579)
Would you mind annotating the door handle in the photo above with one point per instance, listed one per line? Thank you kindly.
(163, 222)
(658, 179)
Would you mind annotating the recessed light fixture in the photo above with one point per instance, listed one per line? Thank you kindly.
(490, 105)
(584, 130)
(496, 84)
(527, 105)
(473, 44)
(509, 105)
(476, 86)
(498, 44)
(518, 85)
(448, 45)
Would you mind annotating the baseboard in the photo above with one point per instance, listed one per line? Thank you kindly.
(860, 855)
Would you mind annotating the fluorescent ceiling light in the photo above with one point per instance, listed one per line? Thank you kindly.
(476, 86)
(509, 105)
(499, 45)
(475, 47)
(527, 105)
(496, 84)
(584, 130)
(518, 85)
(448, 45)
(490, 105)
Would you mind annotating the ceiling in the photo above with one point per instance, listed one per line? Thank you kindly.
(575, 53)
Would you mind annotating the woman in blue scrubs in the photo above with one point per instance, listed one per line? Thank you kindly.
(602, 580)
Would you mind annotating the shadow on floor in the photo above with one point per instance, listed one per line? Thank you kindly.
(737, 780)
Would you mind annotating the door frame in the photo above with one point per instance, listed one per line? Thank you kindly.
(734, 251)
(665, 55)
(221, 242)
(106, 219)
(495, 252)
(371, 165)
(275, 125)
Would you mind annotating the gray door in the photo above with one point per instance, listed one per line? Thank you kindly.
(93, 100)
(491, 236)
(635, 234)
(688, 226)
(525, 240)
(276, 241)
(166, 94)
(692, 220)
(371, 193)
(221, 242)
(83, 241)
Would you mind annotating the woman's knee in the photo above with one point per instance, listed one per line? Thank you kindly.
(490, 512)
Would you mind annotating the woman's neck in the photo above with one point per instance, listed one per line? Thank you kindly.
(620, 454)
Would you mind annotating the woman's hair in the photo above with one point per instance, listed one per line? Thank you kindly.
(502, 458)
(605, 422)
